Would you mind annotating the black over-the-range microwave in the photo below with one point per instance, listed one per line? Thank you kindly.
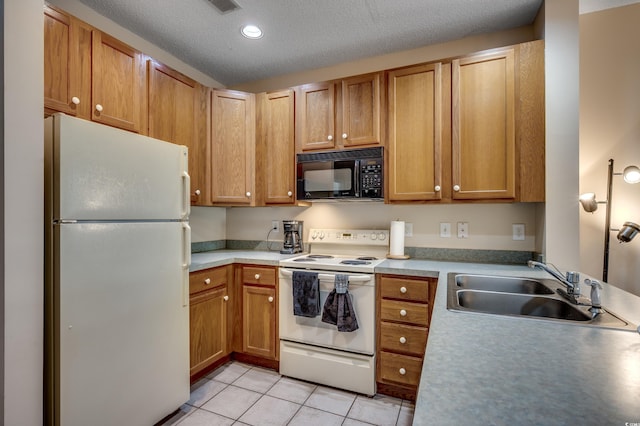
(355, 174)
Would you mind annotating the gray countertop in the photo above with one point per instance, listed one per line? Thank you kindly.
(498, 370)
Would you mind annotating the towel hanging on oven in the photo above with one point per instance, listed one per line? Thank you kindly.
(338, 308)
(306, 294)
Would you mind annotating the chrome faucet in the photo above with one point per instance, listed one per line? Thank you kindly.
(571, 281)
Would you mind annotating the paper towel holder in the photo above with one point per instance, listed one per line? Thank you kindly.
(397, 256)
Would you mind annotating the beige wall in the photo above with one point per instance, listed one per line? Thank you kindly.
(23, 243)
(610, 128)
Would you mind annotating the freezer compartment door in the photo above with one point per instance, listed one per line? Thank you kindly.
(99, 172)
(122, 347)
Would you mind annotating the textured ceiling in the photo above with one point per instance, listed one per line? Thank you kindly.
(301, 35)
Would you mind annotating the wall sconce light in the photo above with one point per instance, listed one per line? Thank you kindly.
(630, 174)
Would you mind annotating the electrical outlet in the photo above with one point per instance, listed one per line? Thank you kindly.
(275, 225)
(518, 231)
(408, 229)
(463, 229)
(445, 230)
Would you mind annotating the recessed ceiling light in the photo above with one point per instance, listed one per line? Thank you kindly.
(251, 31)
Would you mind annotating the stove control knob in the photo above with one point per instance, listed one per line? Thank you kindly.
(314, 235)
(382, 236)
(321, 236)
(374, 236)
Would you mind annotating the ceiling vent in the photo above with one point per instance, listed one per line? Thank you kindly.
(224, 6)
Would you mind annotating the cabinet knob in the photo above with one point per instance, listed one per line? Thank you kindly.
(75, 100)
(225, 298)
(289, 193)
(270, 299)
(197, 192)
(248, 194)
(456, 188)
(330, 138)
(256, 276)
(437, 188)
(344, 136)
(98, 107)
(403, 289)
(403, 313)
(403, 340)
(402, 371)
(207, 281)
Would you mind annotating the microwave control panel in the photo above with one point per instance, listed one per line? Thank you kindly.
(371, 178)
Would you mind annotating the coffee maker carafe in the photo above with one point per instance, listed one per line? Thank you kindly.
(292, 237)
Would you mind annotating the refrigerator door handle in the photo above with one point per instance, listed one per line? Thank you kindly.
(186, 262)
(186, 195)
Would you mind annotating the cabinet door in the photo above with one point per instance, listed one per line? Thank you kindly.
(259, 321)
(415, 133)
(173, 113)
(118, 83)
(315, 124)
(208, 328)
(276, 148)
(232, 147)
(361, 110)
(67, 64)
(483, 146)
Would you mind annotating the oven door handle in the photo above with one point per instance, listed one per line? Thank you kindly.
(352, 278)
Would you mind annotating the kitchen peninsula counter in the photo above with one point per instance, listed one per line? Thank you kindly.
(499, 370)
(486, 369)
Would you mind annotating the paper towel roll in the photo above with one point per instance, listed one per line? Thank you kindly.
(396, 240)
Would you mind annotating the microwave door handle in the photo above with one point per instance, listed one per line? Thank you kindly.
(356, 177)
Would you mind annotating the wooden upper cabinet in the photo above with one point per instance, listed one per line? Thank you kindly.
(360, 111)
(174, 111)
(232, 147)
(118, 83)
(339, 114)
(67, 64)
(483, 133)
(415, 123)
(315, 123)
(275, 150)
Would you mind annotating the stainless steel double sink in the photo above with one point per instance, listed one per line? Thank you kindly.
(523, 297)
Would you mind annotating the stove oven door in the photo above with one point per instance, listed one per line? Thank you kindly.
(315, 332)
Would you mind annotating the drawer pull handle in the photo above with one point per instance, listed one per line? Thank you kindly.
(256, 276)
(270, 299)
(225, 298)
(207, 281)
(403, 340)
(402, 371)
(403, 313)
(403, 290)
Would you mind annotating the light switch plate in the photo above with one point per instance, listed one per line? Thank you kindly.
(445, 230)
(518, 231)
(463, 229)
(408, 229)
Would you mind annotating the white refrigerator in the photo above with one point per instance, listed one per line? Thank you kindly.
(116, 286)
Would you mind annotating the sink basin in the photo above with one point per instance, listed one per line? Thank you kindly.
(502, 284)
(525, 298)
(516, 304)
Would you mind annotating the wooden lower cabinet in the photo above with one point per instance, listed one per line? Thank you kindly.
(256, 324)
(404, 306)
(209, 312)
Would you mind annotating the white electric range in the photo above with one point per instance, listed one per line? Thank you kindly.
(316, 351)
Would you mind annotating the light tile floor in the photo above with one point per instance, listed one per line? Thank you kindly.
(241, 394)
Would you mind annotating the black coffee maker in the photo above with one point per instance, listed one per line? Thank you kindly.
(292, 237)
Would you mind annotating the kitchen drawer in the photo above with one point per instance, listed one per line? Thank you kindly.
(206, 279)
(407, 312)
(258, 275)
(392, 367)
(404, 289)
(393, 335)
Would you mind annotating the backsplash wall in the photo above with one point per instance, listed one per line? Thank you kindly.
(490, 225)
